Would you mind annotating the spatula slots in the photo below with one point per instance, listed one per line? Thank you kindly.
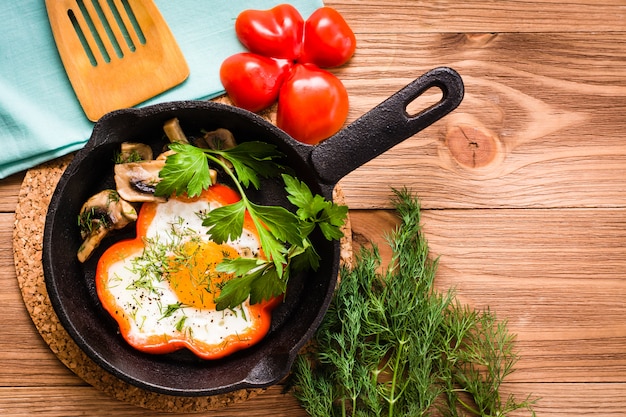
(117, 53)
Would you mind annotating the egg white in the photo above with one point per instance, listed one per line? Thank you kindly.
(175, 222)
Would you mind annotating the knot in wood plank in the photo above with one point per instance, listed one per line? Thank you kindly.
(472, 146)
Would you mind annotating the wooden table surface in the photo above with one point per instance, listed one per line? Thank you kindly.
(523, 189)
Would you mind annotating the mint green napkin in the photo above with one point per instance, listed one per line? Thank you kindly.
(40, 117)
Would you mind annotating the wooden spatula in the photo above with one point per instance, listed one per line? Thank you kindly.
(117, 53)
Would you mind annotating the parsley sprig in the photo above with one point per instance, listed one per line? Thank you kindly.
(284, 235)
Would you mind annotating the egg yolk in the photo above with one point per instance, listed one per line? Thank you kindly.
(193, 276)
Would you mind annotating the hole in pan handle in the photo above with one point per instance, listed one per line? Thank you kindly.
(385, 125)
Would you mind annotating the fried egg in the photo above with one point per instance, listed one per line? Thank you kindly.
(161, 286)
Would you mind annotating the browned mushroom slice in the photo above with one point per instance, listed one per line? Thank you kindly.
(164, 155)
(100, 214)
(174, 131)
(134, 152)
(136, 181)
(220, 139)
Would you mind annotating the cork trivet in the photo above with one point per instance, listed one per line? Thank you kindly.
(35, 194)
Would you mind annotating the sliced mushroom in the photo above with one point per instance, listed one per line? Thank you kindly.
(100, 214)
(134, 152)
(136, 181)
(213, 175)
(164, 155)
(220, 139)
(174, 132)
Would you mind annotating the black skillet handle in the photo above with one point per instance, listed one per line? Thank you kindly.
(385, 126)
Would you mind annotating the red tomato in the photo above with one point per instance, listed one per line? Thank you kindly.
(328, 40)
(253, 81)
(312, 104)
(276, 32)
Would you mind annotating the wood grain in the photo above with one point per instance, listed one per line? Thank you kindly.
(558, 400)
(531, 16)
(523, 189)
(556, 276)
(113, 75)
(533, 132)
(9, 189)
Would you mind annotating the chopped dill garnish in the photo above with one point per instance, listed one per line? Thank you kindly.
(181, 323)
(171, 309)
(120, 158)
(142, 283)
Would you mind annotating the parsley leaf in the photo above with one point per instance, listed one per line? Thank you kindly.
(283, 235)
(272, 247)
(315, 209)
(226, 222)
(251, 160)
(258, 280)
(234, 295)
(186, 171)
(305, 258)
(239, 266)
(283, 223)
(267, 286)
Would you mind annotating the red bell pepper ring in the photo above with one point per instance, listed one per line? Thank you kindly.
(184, 282)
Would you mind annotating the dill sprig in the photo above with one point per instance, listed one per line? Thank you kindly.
(393, 345)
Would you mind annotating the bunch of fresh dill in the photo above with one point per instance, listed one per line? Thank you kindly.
(392, 345)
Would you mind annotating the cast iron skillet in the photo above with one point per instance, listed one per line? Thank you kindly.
(71, 284)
